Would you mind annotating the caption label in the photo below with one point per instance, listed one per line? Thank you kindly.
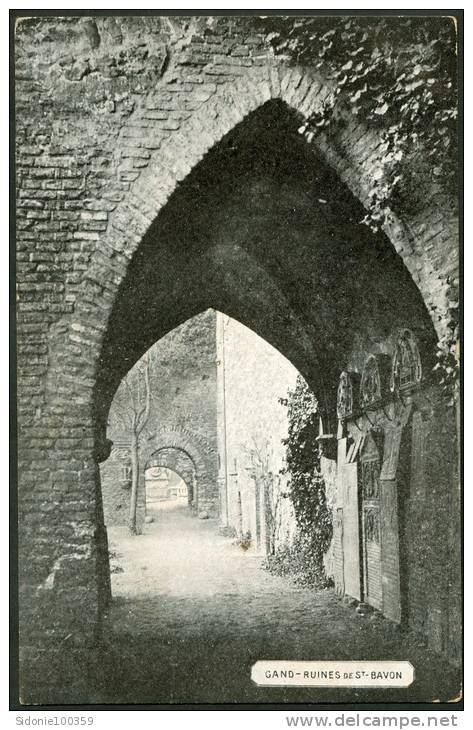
(332, 674)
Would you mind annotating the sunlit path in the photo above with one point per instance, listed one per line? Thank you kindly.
(192, 612)
(183, 557)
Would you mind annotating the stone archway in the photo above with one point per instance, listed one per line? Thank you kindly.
(75, 380)
(97, 318)
(303, 91)
(178, 461)
(199, 467)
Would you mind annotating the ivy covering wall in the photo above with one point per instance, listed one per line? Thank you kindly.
(303, 559)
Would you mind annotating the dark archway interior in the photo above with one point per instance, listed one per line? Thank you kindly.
(263, 230)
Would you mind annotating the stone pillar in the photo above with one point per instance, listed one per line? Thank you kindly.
(63, 572)
(103, 447)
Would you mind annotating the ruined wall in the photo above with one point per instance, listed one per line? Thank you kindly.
(255, 423)
(115, 480)
(183, 399)
(426, 487)
(111, 113)
(414, 487)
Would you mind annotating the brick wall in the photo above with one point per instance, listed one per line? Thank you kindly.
(114, 120)
(418, 551)
(183, 401)
(115, 481)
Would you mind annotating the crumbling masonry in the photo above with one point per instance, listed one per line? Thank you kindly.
(160, 172)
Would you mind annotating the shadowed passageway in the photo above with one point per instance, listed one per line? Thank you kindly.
(192, 612)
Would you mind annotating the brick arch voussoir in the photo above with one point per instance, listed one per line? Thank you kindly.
(302, 90)
(191, 444)
(186, 470)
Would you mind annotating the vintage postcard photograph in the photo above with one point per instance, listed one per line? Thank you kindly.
(238, 364)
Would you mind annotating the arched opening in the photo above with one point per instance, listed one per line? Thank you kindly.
(163, 485)
(181, 553)
(183, 184)
(170, 474)
(263, 230)
(273, 238)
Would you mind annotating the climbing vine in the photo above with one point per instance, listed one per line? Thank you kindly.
(398, 75)
(304, 559)
(447, 366)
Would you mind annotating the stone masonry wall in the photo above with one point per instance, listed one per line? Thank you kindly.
(427, 528)
(111, 113)
(183, 398)
(115, 481)
(255, 377)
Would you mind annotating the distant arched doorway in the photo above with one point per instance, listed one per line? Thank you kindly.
(190, 456)
(256, 224)
(170, 474)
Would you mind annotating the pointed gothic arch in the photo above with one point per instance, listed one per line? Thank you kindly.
(77, 342)
(304, 92)
(77, 557)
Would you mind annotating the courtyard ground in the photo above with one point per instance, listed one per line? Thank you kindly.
(192, 612)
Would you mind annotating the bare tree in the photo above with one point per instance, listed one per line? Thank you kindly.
(132, 404)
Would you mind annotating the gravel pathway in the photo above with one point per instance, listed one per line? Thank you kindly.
(192, 611)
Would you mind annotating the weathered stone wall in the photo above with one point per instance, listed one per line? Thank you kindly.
(254, 425)
(115, 481)
(419, 530)
(111, 114)
(183, 400)
(427, 487)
